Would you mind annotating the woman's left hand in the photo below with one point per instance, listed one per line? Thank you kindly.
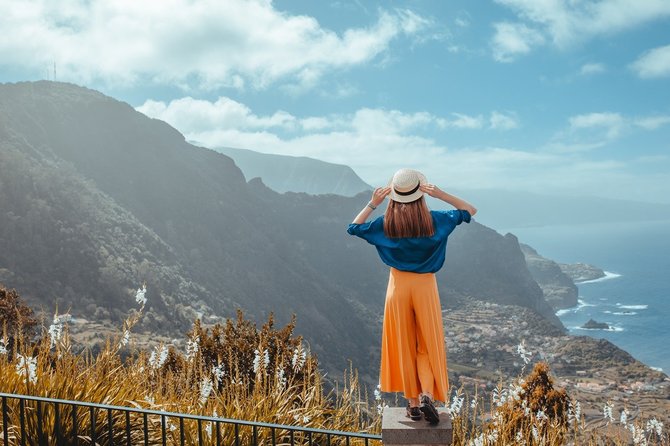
(379, 194)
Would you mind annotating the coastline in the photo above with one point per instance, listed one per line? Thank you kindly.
(608, 276)
(619, 309)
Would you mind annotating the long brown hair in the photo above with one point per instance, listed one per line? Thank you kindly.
(408, 219)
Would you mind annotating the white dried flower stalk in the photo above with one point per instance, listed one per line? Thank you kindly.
(456, 405)
(281, 378)
(523, 353)
(56, 327)
(257, 361)
(479, 441)
(638, 435)
(655, 426)
(27, 366)
(206, 388)
(299, 358)
(607, 413)
(125, 339)
(158, 357)
(623, 418)
(192, 348)
(140, 297)
(219, 372)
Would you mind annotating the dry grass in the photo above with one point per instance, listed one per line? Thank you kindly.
(235, 370)
(239, 371)
(530, 411)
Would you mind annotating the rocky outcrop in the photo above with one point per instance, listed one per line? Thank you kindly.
(581, 272)
(594, 325)
(558, 288)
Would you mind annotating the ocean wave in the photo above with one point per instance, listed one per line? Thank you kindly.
(608, 276)
(621, 313)
(580, 304)
(632, 307)
(612, 328)
(658, 369)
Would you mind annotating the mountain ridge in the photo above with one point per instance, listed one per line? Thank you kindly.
(283, 173)
(499, 209)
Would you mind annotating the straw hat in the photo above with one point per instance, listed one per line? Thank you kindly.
(405, 185)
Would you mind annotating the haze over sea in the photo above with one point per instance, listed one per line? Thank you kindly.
(635, 298)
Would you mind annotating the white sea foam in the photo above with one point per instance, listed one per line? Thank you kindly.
(632, 307)
(608, 276)
(621, 313)
(580, 304)
(658, 369)
(612, 328)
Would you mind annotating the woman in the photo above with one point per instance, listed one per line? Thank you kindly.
(412, 240)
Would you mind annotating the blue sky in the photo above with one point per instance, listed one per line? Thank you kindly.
(559, 97)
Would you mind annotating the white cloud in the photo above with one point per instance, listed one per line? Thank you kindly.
(513, 39)
(592, 68)
(591, 131)
(196, 115)
(502, 121)
(462, 121)
(653, 122)
(653, 63)
(376, 142)
(566, 22)
(203, 44)
(611, 123)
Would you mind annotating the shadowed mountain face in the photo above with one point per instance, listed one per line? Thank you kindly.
(96, 198)
(297, 173)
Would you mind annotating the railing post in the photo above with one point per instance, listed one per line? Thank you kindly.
(5, 421)
(398, 430)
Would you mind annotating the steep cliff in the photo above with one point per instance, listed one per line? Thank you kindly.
(559, 289)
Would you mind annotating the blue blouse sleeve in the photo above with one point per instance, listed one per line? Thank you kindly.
(453, 217)
(369, 230)
(459, 216)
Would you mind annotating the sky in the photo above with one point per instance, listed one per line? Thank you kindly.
(559, 97)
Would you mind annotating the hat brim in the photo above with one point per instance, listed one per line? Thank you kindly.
(407, 198)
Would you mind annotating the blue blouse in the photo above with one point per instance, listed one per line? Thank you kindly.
(415, 254)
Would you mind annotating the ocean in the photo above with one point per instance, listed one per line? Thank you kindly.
(634, 298)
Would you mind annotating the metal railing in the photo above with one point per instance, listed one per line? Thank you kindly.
(33, 420)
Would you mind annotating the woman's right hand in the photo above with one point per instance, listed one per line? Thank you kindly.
(379, 194)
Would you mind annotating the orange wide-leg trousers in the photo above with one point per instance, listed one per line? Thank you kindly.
(414, 358)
